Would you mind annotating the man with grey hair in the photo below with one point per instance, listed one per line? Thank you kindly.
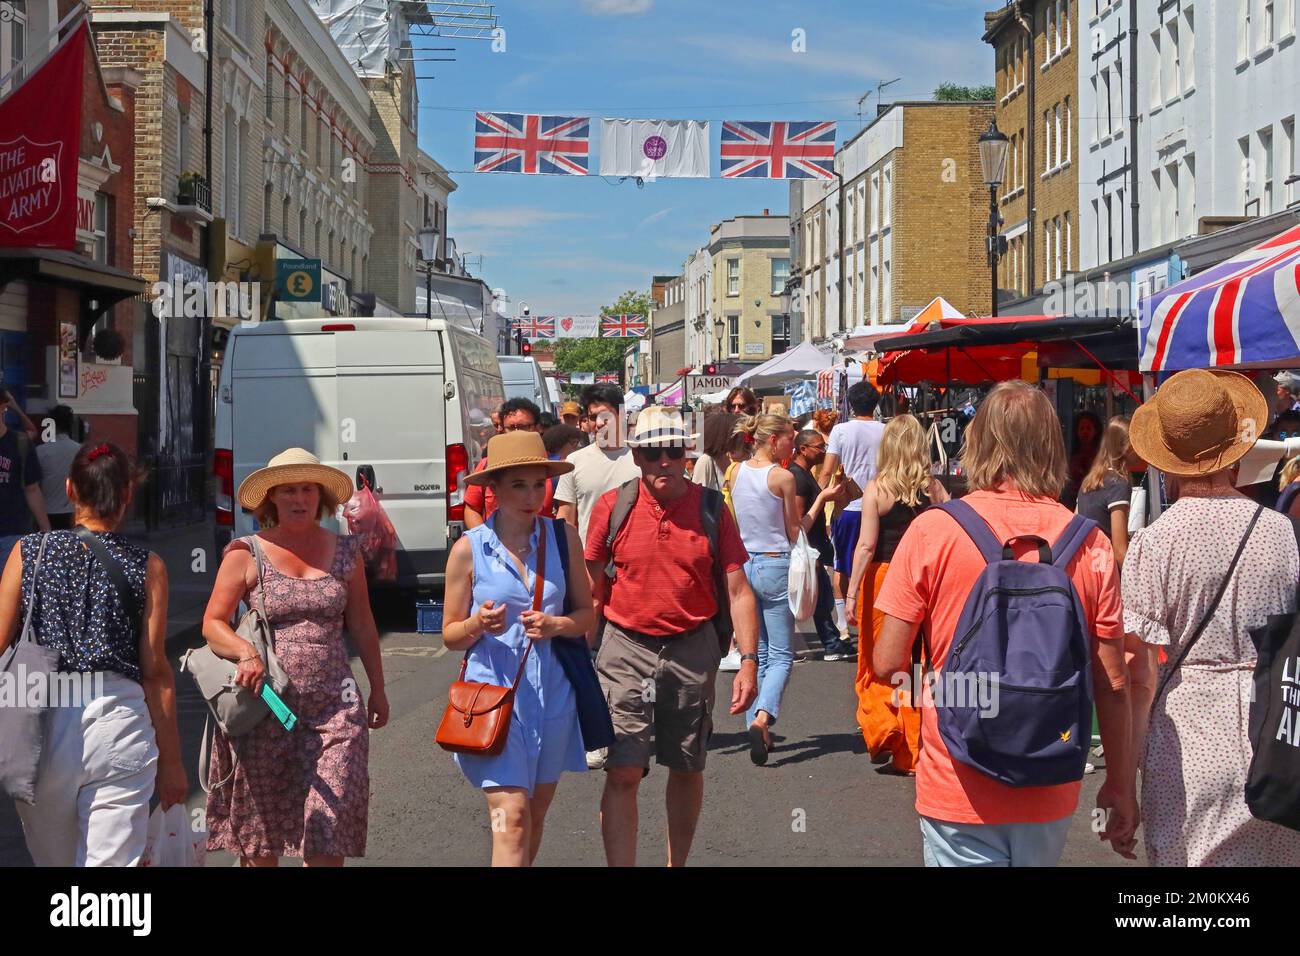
(1288, 392)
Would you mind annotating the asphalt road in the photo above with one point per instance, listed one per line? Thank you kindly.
(818, 801)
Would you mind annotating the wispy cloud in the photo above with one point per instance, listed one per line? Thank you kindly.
(617, 8)
(654, 217)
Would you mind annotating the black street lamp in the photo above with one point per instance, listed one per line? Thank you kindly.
(428, 239)
(993, 145)
(717, 326)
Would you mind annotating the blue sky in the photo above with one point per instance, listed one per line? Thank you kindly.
(571, 244)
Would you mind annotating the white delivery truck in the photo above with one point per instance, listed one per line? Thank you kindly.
(406, 402)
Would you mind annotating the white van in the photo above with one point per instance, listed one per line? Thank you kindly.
(521, 377)
(405, 401)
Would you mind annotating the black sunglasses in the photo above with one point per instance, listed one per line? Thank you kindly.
(674, 453)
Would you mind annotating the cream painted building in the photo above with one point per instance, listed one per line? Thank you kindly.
(750, 263)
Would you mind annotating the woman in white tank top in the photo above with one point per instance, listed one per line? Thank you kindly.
(767, 514)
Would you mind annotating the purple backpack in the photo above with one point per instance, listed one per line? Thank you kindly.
(1014, 695)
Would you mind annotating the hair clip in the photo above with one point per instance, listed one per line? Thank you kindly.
(749, 439)
(97, 451)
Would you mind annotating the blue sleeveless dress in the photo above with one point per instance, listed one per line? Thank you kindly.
(545, 739)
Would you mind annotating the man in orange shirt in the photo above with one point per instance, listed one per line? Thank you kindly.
(1015, 459)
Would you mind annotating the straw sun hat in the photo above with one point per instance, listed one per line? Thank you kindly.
(293, 466)
(1200, 421)
(516, 450)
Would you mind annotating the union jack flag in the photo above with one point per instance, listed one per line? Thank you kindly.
(777, 150)
(607, 378)
(1243, 311)
(530, 143)
(622, 326)
(536, 327)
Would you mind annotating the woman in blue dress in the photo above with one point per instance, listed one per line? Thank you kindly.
(491, 575)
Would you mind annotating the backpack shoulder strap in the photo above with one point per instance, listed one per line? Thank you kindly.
(560, 527)
(623, 505)
(975, 527)
(711, 505)
(1071, 540)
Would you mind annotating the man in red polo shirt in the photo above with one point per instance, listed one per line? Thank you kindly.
(658, 662)
(517, 414)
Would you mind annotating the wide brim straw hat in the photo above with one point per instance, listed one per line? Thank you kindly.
(658, 425)
(1199, 422)
(291, 467)
(517, 449)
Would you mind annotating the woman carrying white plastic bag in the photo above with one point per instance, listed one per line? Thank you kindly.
(172, 839)
(803, 578)
(766, 505)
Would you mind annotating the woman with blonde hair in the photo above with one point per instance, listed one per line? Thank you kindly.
(903, 486)
(769, 519)
(1288, 486)
(1105, 491)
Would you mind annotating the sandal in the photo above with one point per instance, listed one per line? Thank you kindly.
(760, 744)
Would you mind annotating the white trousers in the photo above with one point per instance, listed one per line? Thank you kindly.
(95, 779)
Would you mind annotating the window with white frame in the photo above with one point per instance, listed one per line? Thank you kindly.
(862, 209)
(233, 164)
(270, 87)
(1268, 28)
(1288, 156)
(1175, 84)
(1053, 34)
(1069, 241)
(1047, 141)
(1057, 225)
(1187, 200)
(887, 197)
(1056, 123)
(1170, 206)
(1069, 128)
(733, 335)
(1098, 230)
(1157, 219)
(886, 285)
(1187, 53)
(874, 292)
(1243, 30)
(99, 247)
(733, 277)
(1266, 170)
(304, 111)
(284, 217)
(780, 334)
(302, 227)
(875, 203)
(1117, 98)
(1288, 19)
(853, 218)
(1105, 122)
(1157, 72)
(266, 207)
(1047, 250)
(780, 275)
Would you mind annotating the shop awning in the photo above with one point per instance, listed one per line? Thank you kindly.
(804, 361)
(1242, 312)
(977, 350)
(103, 284)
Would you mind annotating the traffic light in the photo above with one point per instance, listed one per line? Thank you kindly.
(710, 369)
(526, 348)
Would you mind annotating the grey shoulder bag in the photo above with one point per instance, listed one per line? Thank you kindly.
(22, 723)
(236, 709)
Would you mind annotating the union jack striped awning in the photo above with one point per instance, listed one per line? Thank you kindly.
(622, 326)
(1245, 311)
(531, 143)
(536, 327)
(776, 150)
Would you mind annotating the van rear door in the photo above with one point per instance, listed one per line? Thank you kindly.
(392, 422)
(283, 394)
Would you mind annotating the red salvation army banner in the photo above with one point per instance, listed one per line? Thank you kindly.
(40, 137)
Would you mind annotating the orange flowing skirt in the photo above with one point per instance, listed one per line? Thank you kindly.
(889, 724)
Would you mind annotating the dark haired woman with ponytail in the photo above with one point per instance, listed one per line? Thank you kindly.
(102, 603)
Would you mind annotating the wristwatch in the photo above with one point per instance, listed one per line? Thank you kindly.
(749, 657)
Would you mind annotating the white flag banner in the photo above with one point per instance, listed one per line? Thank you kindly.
(652, 148)
(577, 326)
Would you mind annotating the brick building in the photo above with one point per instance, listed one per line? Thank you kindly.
(915, 214)
(55, 303)
(751, 261)
(1037, 84)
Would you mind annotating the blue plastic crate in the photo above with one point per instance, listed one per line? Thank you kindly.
(428, 617)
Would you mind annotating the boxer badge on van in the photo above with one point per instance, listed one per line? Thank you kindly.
(428, 487)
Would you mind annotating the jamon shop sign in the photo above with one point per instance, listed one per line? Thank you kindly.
(31, 191)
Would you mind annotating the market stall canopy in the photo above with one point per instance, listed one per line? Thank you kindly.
(1242, 312)
(931, 354)
(805, 361)
(864, 338)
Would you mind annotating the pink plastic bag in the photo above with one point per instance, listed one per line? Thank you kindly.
(368, 521)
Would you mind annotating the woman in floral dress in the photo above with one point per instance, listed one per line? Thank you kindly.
(303, 792)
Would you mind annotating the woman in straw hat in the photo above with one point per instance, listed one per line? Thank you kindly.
(491, 580)
(1197, 750)
(306, 792)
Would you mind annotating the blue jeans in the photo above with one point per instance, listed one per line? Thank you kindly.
(993, 844)
(824, 612)
(770, 580)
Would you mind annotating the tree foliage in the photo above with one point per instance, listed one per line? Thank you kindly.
(601, 355)
(955, 93)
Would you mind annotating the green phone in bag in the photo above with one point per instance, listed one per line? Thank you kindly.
(283, 714)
